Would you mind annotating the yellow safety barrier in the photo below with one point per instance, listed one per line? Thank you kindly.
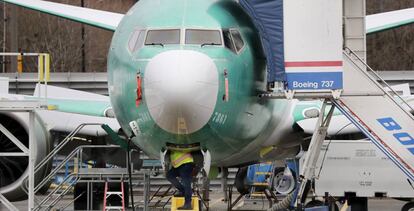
(40, 65)
(19, 64)
(177, 202)
(44, 67)
(47, 67)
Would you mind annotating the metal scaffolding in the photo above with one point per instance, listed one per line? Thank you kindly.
(30, 107)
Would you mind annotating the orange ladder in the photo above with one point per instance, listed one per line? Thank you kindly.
(107, 194)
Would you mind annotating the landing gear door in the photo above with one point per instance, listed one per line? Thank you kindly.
(164, 163)
(206, 161)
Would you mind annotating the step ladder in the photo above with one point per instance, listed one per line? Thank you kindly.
(262, 178)
(108, 193)
(177, 202)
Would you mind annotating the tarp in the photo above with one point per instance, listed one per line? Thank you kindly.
(267, 15)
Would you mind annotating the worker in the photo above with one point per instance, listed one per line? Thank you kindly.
(182, 166)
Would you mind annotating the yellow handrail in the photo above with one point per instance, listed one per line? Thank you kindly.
(43, 66)
(19, 64)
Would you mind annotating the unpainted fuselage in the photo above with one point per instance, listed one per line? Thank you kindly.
(192, 92)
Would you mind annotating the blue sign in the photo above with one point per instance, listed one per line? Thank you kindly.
(314, 80)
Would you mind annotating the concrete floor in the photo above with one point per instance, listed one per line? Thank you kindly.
(217, 204)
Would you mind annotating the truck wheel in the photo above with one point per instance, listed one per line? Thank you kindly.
(240, 181)
(282, 184)
(408, 207)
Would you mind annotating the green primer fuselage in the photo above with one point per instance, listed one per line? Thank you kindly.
(241, 123)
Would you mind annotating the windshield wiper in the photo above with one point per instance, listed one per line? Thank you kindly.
(204, 44)
(160, 44)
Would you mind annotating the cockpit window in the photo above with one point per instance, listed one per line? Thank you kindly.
(163, 37)
(202, 37)
(136, 40)
(238, 41)
(233, 40)
(228, 41)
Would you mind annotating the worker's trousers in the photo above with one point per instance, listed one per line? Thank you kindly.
(185, 173)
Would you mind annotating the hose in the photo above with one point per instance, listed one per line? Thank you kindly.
(284, 204)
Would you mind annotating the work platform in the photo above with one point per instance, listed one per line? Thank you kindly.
(28, 107)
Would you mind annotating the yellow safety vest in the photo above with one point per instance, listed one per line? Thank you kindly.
(180, 158)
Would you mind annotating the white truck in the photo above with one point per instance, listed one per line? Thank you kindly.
(358, 169)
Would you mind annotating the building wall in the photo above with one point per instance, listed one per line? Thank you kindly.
(74, 47)
(97, 41)
(37, 32)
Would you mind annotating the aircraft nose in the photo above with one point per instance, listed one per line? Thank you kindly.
(180, 90)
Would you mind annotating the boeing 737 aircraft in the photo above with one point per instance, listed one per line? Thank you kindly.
(187, 73)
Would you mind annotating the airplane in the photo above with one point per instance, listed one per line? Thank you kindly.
(189, 79)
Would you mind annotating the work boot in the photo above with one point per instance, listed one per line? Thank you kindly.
(187, 206)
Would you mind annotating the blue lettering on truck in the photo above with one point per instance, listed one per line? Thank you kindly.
(402, 137)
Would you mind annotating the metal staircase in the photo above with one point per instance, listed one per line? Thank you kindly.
(383, 117)
(83, 175)
(377, 110)
(86, 175)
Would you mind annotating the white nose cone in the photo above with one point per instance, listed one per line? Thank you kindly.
(180, 90)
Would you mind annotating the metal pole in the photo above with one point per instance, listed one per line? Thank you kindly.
(146, 189)
(46, 59)
(83, 43)
(307, 173)
(88, 192)
(4, 35)
(206, 194)
(13, 32)
(91, 197)
(31, 160)
(7, 203)
(224, 175)
(39, 73)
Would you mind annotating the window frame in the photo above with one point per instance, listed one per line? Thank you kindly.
(231, 40)
(202, 29)
(164, 29)
(142, 30)
(241, 37)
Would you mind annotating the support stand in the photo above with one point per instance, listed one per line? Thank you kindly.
(224, 186)
(30, 107)
(307, 173)
(230, 203)
(206, 194)
(147, 190)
